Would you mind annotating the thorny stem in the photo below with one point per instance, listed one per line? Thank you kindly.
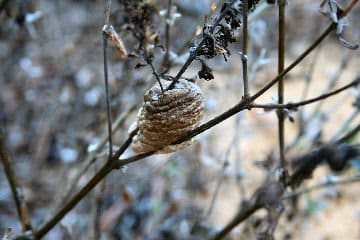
(281, 66)
(15, 186)
(245, 49)
(122, 162)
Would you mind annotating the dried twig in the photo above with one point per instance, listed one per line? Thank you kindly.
(281, 66)
(352, 179)
(245, 49)
(166, 60)
(105, 43)
(194, 53)
(220, 179)
(294, 106)
(14, 183)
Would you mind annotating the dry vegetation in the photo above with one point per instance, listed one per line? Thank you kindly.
(54, 121)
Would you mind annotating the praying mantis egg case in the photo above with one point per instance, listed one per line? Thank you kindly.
(167, 116)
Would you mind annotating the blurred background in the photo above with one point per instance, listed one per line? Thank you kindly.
(53, 109)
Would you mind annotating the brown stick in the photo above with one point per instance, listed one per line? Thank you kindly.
(14, 183)
(281, 66)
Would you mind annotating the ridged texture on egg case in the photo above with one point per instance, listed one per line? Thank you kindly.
(165, 117)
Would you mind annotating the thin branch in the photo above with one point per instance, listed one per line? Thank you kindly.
(101, 174)
(166, 60)
(310, 73)
(317, 109)
(348, 8)
(308, 80)
(332, 82)
(281, 66)
(96, 208)
(327, 31)
(246, 210)
(350, 134)
(193, 54)
(107, 11)
(238, 159)
(108, 108)
(72, 203)
(14, 183)
(245, 48)
(219, 180)
(91, 158)
(294, 106)
(346, 123)
(154, 72)
(328, 183)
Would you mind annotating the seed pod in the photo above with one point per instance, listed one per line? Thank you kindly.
(167, 116)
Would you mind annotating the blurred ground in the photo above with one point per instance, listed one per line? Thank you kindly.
(52, 104)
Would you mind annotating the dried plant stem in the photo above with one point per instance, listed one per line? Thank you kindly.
(96, 208)
(332, 82)
(245, 49)
(14, 183)
(166, 60)
(108, 107)
(294, 106)
(238, 158)
(329, 183)
(80, 195)
(327, 31)
(193, 54)
(346, 123)
(246, 210)
(107, 11)
(281, 66)
(350, 134)
(317, 109)
(154, 72)
(220, 180)
(308, 80)
(71, 184)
